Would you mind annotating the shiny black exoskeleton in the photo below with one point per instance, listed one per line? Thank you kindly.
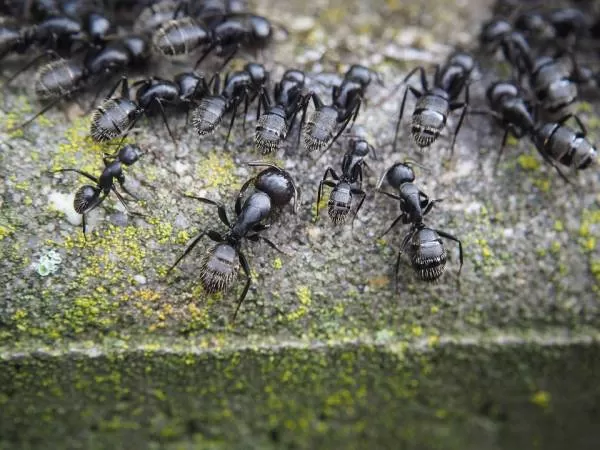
(89, 197)
(274, 181)
(500, 34)
(221, 263)
(510, 109)
(426, 251)
(280, 114)
(346, 185)
(116, 116)
(435, 103)
(558, 142)
(185, 35)
(242, 86)
(328, 122)
(424, 245)
(61, 78)
(564, 27)
(56, 33)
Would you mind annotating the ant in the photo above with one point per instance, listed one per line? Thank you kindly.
(244, 85)
(280, 115)
(89, 197)
(62, 78)
(221, 263)
(561, 143)
(116, 116)
(182, 36)
(320, 130)
(424, 245)
(436, 102)
(500, 34)
(274, 181)
(347, 184)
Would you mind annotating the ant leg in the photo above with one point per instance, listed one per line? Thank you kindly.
(29, 64)
(164, 117)
(246, 268)
(80, 172)
(258, 237)
(235, 105)
(122, 185)
(400, 114)
(460, 249)
(203, 56)
(362, 200)
(460, 120)
(504, 139)
(187, 250)
(238, 200)
(581, 125)
(220, 207)
(402, 217)
(38, 114)
(324, 181)
(430, 205)
(389, 194)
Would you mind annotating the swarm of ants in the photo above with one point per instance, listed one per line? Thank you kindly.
(80, 45)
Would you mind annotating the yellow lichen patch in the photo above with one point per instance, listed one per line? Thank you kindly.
(277, 264)
(541, 399)
(559, 226)
(79, 150)
(304, 298)
(380, 282)
(217, 170)
(529, 162)
(5, 231)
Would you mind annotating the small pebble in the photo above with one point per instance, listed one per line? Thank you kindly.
(139, 279)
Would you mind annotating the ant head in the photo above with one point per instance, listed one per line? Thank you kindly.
(261, 29)
(360, 147)
(137, 47)
(462, 59)
(399, 174)
(257, 72)
(84, 197)
(363, 75)
(98, 26)
(501, 89)
(129, 154)
(493, 32)
(535, 23)
(294, 75)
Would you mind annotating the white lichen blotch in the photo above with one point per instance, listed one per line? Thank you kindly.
(48, 263)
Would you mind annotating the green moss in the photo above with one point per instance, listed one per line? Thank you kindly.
(277, 264)
(541, 399)
(529, 162)
(217, 170)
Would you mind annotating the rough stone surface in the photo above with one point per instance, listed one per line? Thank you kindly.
(107, 351)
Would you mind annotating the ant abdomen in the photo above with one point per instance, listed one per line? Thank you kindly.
(113, 118)
(209, 113)
(429, 119)
(340, 203)
(180, 37)
(57, 79)
(84, 196)
(320, 129)
(270, 130)
(219, 268)
(427, 254)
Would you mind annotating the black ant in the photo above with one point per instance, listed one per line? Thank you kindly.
(436, 102)
(279, 116)
(500, 34)
(558, 142)
(564, 26)
(221, 263)
(240, 86)
(89, 197)
(424, 245)
(116, 116)
(62, 78)
(346, 185)
(320, 129)
(185, 35)
(274, 181)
